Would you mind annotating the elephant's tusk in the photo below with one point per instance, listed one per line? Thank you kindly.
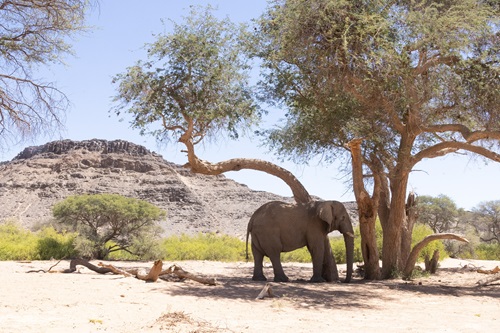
(350, 234)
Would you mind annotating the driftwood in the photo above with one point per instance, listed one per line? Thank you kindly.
(177, 270)
(267, 291)
(495, 276)
(72, 267)
(488, 280)
(153, 275)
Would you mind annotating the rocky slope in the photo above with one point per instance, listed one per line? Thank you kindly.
(40, 176)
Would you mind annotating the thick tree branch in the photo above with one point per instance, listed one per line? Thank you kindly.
(197, 165)
(468, 135)
(412, 258)
(447, 147)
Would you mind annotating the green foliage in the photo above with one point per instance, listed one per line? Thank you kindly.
(204, 247)
(101, 218)
(17, 243)
(299, 255)
(488, 221)
(195, 75)
(487, 252)
(54, 245)
(439, 213)
(395, 73)
(420, 231)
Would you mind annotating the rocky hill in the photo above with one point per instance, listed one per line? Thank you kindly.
(40, 176)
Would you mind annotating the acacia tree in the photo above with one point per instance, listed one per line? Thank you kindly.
(388, 83)
(440, 213)
(488, 221)
(33, 33)
(194, 87)
(103, 218)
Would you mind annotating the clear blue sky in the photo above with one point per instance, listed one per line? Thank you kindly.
(121, 30)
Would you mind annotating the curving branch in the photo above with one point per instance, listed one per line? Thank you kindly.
(412, 259)
(468, 135)
(197, 165)
(447, 147)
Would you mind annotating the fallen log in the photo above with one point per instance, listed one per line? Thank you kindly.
(488, 280)
(152, 276)
(72, 267)
(489, 271)
(177, 270)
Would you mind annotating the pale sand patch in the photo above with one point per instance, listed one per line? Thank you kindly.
(89, 302)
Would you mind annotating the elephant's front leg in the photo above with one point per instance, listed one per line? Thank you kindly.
(317, 255)
(330, 272)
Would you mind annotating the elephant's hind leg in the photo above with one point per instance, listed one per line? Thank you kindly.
(258, 257)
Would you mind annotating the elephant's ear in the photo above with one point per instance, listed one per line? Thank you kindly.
(325, 212)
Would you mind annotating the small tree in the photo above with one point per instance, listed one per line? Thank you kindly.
(107, 222)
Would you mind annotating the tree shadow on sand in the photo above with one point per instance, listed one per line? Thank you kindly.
(237, 285)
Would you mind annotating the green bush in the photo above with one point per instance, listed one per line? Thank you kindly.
(17, 243)
(420, 231)
(488, 251)
(299, 255)
(204, 247)
(52, 244)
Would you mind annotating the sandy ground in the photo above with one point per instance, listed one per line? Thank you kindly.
(89, 302)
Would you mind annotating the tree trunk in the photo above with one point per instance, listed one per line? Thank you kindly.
(367, 212)
(392, 231)
(407, 228)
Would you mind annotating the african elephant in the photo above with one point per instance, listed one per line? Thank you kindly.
(282, 227)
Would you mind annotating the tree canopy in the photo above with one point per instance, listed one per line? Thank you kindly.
(33, 34)
(104, 218)
(407, 79)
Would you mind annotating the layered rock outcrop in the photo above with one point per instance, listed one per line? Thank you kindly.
(40, 176)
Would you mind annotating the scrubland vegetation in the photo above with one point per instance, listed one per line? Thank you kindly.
(17, 243)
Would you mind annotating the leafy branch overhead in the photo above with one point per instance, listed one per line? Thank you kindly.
(196, 87)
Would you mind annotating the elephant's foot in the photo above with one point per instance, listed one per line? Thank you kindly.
(317, 279)
(259, 278)
(281, 278)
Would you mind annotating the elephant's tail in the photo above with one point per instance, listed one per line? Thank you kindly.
(249, 228)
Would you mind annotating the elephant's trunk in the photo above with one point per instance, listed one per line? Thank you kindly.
(349, 253)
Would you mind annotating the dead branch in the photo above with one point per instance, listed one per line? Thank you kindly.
(267, 291)
(412, 258)
(488, 280)
(72, 267)
(177, 270)
(152, 276)
(489, 271)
